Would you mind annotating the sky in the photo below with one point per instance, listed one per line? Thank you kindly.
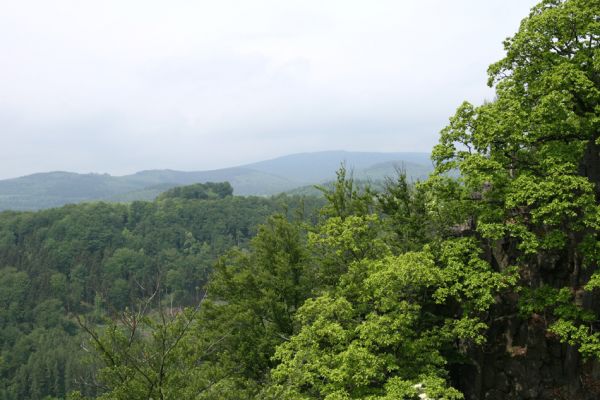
(118, 86)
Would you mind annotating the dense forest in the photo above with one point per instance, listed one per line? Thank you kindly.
(480, 282)
(94, 261)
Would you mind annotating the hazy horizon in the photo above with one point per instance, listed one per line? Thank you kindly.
(215, 169)
(122, 86)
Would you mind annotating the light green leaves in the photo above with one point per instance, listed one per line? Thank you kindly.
(374, 336)
(528, 164)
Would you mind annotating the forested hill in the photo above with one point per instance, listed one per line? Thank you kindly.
(53, 189)
(480, 283)
(95, 260)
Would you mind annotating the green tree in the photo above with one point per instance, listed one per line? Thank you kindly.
(379, 334)
(404, 209)
(254, 296)
(346, 197)
(142, 354)
(530, 160)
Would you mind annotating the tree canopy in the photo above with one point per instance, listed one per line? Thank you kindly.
(479, 283)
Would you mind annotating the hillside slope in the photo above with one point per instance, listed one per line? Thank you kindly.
(53, 189)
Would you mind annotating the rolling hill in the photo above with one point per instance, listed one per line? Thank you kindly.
(53, 189)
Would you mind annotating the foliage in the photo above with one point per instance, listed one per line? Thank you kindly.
(353, 342)
(142, 355)
(97, 260)
(530, 160)
(380, 296)
(201, 191)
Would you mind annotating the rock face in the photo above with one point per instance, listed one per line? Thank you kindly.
(524, 362)
(522, 359)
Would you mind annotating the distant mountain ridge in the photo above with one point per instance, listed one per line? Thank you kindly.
(53, 189)
(317, 167)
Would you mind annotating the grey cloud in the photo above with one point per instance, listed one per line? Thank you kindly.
(119, 86)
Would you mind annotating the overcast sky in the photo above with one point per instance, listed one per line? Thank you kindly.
(119, 86)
